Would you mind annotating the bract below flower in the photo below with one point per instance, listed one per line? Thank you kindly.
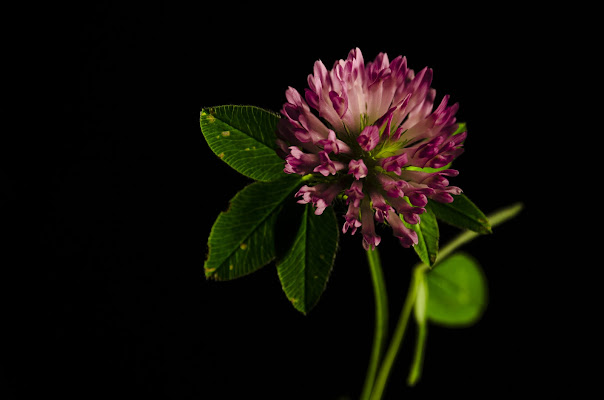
(369, 131)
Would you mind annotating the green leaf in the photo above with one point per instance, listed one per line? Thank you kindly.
(242, 238)
(427, 234)
(244, 138)
(305, 268)
(457, 291)
(286, 226)
(461, 213)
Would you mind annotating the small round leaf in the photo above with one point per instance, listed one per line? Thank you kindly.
(457, 291)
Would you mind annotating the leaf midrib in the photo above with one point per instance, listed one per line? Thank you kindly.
(221, 264)
(251, 231)
(232, 109)
(233, 128)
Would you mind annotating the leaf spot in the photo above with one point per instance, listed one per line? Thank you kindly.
(221, 155)
(211, 118)
(293, 300)
(243, 246)
(322, 256)
(247, 149)
(231, 267)
(225, 133)
(210, 270)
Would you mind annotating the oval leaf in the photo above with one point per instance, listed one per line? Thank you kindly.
(305, 268)
(242, 238)
(461, 213)
(244, 138)
(457, 291)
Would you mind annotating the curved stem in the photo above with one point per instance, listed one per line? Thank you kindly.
(381, 320)
(379, 382)
(395, 344)
(495, 219)
(418, 358)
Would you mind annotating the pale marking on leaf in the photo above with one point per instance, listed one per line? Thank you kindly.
(225, 133)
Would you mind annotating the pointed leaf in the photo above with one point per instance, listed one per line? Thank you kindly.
(305, 268)
(242, 238)
(461, 213)
(427, 235)
(457, 291)
(244, 138)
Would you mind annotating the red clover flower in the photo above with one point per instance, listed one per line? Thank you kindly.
(369, 132)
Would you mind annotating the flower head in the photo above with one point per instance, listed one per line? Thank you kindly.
(369, 131)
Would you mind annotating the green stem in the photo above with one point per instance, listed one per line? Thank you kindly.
(495, 219)
(418, 358)
(381, 320)
(421, 303)
(379, 383)
(395, 343)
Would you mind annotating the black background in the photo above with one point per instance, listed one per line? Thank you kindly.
(122, 190)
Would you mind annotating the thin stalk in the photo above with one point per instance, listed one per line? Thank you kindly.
(418, 358)
(381, 320)
(395, 343)
(495, 219)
